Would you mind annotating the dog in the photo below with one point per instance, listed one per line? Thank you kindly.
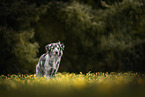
(49, 62)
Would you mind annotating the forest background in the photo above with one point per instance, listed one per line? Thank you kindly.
(99, 35)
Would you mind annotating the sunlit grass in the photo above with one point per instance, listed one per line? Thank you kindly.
(71, 84)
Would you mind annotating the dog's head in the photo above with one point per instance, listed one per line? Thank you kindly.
(55, 49)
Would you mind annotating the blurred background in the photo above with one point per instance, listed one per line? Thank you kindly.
(99, 35)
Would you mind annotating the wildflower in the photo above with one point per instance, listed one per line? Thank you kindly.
(100, 80)
(79, 83)
(18, 79)
(44, 77)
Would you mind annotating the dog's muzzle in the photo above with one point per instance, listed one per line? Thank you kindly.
(56, 53)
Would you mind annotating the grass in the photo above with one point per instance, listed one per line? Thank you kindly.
(74, 85)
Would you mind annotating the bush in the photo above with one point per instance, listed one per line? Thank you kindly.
(109, 39)
(18, 54)
(18, 48)
(106, 37)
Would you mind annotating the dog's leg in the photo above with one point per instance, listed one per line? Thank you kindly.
(38, 71)
(40, 66)
(57, 66)
(48, 71)
(52, 73)
(55, 70)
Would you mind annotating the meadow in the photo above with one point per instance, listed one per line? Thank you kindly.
(97, 84)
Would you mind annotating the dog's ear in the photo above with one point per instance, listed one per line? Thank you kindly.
(62, 46)
(48, 48)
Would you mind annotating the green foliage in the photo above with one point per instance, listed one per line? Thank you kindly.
(25, 51)
(17, 47)
(107, 38)
(78, 23)
(99, 35)
(75, 27)
(17, 52)
(19, 14)
(119, 39)
(70, 85)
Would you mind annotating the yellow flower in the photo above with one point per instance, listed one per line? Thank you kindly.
(100, 80)
(44, 77)
(18, 79)
(79, 83)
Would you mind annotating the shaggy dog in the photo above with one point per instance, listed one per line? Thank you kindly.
(49, 62)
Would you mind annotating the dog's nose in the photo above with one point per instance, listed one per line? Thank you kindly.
(56, 52)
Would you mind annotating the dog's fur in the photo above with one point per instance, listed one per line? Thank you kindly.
(49, 62)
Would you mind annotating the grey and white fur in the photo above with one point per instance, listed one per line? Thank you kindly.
(49, 62)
